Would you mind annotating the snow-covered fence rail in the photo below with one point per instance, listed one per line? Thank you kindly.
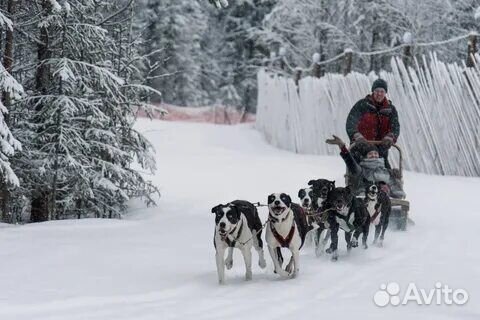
(438, 106)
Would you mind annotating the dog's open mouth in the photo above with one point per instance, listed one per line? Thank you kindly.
(222, 233)
(305, 204)
(339, 207)
(278, 210)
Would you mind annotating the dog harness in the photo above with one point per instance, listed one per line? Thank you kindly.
(231, 243)
(284, 242)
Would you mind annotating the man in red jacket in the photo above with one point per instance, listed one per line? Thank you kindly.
(374, 118)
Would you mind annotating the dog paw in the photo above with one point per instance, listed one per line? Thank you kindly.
(221, 282)
(282, 273)
(293, 274)
(229, 264)
(365, 246)
(262, 263)
(248, 276)
(329, 250)
(318, 252)
(289, 267)
(379, 244)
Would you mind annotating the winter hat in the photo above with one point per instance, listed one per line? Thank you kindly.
(368, 148)
(379, 83)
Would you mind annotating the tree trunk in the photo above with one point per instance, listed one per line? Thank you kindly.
(40, 210)
(6, 99)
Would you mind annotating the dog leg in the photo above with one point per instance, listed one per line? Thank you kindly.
(320, 241)
(334, 244)
(289, 266)
(229, 260)
(378, 228)
(365, 232)
(323, 242)
(354, 239)
(276, 263)
(261, 258)
(247, 257)
(382, 235)
(348, 240)
(280, 256)
(296, 263)
(220, 264)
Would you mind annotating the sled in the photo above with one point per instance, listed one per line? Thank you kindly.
(399, 217)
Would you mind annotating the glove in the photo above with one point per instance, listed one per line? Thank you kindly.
(359, 138)
(336, 140)
(387, 141)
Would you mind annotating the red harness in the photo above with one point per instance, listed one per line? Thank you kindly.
(284, 242)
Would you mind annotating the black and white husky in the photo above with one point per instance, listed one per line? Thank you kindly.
(286, 229)
(379, 206)
(237, 225)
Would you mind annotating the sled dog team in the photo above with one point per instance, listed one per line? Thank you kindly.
(323, 210)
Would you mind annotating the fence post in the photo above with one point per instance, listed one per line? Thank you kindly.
(297, 75)
(348, 61)
(407, 50)
(282, 53)
(471, 49)
(273, 59)
(317, 69)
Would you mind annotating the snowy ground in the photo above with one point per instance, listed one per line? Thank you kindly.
(158, 263)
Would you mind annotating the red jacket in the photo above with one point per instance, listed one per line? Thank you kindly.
(372, 120)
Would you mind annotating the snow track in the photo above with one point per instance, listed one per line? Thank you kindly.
(158, 263)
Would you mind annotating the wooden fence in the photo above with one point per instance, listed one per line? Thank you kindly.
(438, 106)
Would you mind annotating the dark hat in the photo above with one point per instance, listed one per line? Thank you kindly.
(379, 83)
(367, 148)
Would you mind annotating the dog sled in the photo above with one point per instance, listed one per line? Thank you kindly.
(399, 216)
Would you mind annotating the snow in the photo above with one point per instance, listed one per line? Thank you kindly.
(407, 38)
(477, 13)
(158, 263)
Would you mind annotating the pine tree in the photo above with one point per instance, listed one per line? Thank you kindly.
(177, 28)
(77, 124)
(11, 91)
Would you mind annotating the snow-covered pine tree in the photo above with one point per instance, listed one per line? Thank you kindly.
(233, 44)
(176, 27)
(11, 91)
(77, 124)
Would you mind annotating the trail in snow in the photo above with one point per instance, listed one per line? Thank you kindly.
(158, 263)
